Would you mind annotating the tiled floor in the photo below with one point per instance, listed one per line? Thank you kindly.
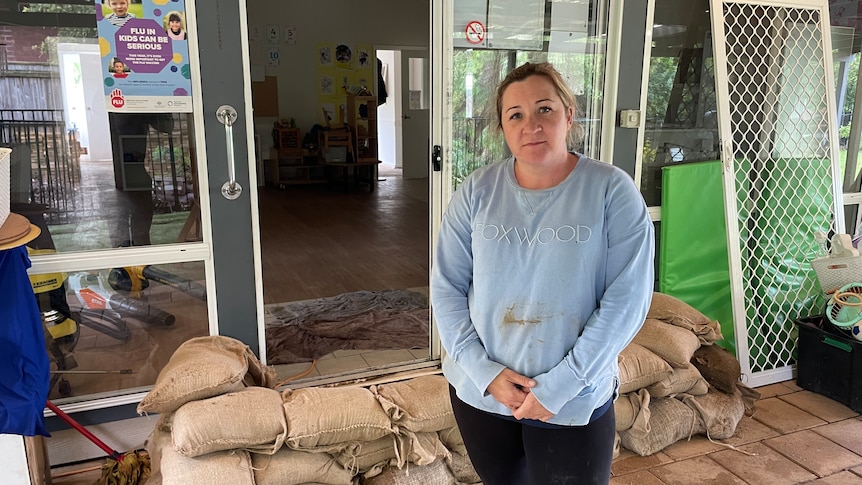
(794, 437)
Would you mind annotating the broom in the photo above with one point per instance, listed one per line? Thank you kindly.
(120, 468)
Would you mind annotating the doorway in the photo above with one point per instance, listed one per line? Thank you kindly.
(322, 240)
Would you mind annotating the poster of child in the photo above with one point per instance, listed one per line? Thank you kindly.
(119, 68)
(175, 25)
(119, 12)
(144, 55)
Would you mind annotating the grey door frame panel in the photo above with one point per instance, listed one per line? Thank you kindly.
(629, 82)
(221, 27)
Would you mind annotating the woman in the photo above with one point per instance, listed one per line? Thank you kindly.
(543, 274)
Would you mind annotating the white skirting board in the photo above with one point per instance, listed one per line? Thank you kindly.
(15, 470)
(69, 445)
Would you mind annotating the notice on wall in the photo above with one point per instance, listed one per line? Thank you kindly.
(145, 55)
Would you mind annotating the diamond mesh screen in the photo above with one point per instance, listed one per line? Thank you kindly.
(783, 177)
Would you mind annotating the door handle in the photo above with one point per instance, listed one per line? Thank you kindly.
(226, 114)
(408, 117)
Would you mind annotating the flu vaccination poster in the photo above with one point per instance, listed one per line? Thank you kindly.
(145, 55)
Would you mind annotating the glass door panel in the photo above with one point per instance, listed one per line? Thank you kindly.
(681, 119)
(90, 174)
(344, 245)
(574, 41)
(111, 330)
(98, 107)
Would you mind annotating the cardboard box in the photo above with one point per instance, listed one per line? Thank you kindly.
(829, 362)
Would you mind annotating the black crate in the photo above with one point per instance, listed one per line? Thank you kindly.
(829, 362)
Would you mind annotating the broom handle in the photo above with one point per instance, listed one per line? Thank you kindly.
(84, 431)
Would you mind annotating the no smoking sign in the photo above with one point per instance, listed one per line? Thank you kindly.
(475, 32)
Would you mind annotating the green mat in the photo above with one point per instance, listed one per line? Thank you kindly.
(693, 258)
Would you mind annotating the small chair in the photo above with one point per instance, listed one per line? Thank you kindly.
(337, 137)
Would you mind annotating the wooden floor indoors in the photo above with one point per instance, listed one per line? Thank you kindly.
(318, 241)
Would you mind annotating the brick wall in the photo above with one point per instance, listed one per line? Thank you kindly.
(23, 44)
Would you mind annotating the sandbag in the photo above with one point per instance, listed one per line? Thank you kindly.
(420, 405)
(251, 419)
(682, 380)
(677, 312)
(291, 467)
(327, 419)
(205, 367)
(639, 367)
(670, 421)
(233, 467)
(674, 344)
(451, 438)
(424, 448)
(436, 473)
(628, 409)
(462, 469)
(719, 411)
(718, 366)
(368, 458)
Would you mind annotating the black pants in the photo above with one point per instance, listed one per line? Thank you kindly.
(511, 453)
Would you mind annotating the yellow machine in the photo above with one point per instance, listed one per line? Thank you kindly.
(51, 296)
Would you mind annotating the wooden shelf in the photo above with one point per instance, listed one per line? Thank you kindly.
(294, 167)
(362, 120)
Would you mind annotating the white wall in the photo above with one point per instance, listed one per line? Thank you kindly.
(375, 23)
(387, 118)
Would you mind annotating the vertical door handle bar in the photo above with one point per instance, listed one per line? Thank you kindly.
(231, 189)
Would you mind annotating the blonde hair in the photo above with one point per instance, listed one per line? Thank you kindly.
(547, 70)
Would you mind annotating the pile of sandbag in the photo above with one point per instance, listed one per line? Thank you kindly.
(221, 422)
(676, 383)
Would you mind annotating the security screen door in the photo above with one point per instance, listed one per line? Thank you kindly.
(779, 153)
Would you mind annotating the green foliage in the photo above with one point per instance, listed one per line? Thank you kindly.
(661, 74)
(844, 132)
(477, 140)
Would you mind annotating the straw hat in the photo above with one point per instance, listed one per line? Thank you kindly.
(17, 231)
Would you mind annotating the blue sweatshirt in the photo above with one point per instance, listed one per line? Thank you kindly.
(550, 283)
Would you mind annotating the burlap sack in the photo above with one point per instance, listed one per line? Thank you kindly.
(674, 344)
(419, 405)
(251, 419)
(682, 380)
(368, 458)
(291, 467)
(628, 407)
(327, 419)
(462, 469)
(204, 367)
(232, 467)
(425, 448)
(675, 311)
(436, 473)
(451, 438)
(719, 411)
(670, 421)
(718, 366)
(159, 439)
(639, 367)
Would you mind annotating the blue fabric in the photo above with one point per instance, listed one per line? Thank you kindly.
(25, 373)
